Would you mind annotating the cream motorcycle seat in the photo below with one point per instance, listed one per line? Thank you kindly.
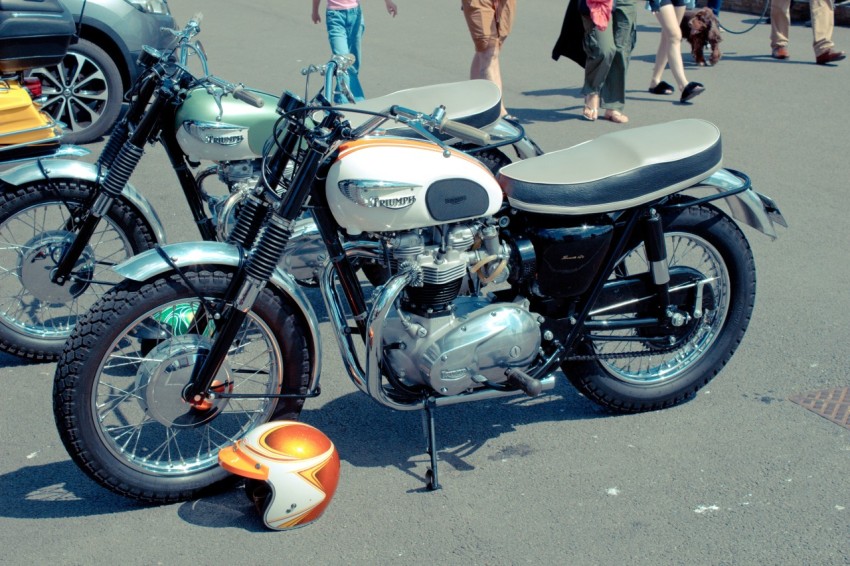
(615, 171)
(475, 103)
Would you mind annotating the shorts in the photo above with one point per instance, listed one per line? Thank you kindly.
(488, 24)
(655, 5)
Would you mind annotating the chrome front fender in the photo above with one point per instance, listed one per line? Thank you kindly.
(73, 169)
(745, 204)
(187, 254)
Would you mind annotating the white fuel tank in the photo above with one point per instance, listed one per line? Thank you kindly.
(394, 184)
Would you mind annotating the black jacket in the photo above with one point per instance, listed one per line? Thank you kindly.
(570, 43)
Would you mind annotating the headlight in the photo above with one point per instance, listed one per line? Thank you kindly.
(150, 6)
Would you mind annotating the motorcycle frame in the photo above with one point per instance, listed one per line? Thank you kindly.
(340, 271)
(738, 194)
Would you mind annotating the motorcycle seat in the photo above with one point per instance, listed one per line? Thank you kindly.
(475, 103)
(615, 171)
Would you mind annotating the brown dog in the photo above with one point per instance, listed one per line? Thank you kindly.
(701, 28)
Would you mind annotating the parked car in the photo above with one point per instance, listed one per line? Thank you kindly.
(86, 91)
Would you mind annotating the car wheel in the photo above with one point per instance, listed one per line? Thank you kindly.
(84, 92)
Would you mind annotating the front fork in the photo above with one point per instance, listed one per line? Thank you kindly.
(117, 175)
(263, 258)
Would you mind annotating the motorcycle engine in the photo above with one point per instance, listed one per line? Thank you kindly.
(446, 341)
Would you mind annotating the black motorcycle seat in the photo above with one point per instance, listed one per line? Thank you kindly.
(615, 171)
(475, 103)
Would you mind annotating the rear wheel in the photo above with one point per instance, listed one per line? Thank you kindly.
(37, 315)
(636, 370)
(118, 389)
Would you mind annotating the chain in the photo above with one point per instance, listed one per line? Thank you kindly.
(612, 356)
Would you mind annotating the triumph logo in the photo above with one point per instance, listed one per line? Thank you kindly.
(212, 133)
(224, 140)
(379, 194)
(397, 202)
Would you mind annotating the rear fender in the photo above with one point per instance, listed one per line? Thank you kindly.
(745, 204)
(151, 263)
(72, 169)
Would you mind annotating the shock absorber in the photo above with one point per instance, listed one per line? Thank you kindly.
(252, 212)
(656, 255)
(116, 177)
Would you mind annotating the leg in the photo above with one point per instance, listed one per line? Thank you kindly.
(339, 37)
(600, 50)
(623, 34)
(488, 33)
(715, 6)
(780, 22)
(670, 46)
(823, 21)
(356, 29)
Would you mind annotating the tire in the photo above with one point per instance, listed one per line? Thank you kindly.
(117, 393)
(704, 239)
(37, 315)
(84, 92)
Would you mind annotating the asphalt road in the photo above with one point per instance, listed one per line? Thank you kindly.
(738, 475)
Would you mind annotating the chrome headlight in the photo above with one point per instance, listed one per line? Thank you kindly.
(150, 6)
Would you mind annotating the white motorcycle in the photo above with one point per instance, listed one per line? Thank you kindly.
(609, 260)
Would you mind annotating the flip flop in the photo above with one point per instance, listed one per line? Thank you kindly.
(662, 88)
(691, 90)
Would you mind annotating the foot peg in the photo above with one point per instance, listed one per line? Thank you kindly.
(531, 386)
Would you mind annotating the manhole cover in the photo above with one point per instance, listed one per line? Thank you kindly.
(832, 404)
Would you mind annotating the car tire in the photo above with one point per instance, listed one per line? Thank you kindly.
(84, 92)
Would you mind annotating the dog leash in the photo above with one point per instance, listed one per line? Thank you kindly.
(758, 21)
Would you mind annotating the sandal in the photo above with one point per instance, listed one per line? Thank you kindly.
(662, 88)
(616, 116)
(590, 112)
(691, 90)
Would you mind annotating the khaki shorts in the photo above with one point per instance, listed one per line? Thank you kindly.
(489, 21)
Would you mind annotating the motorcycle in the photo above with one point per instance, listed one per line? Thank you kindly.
(88, 217)
(609, 260)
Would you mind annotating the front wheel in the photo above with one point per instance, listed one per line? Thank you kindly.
(117, 396)
(651, 368)
(37, 223)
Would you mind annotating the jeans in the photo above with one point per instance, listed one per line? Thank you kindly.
(345, 32)
(715, 6)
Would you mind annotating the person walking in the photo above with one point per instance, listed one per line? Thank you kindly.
(344, 21)
(669, 14)
(609, 37)
(489, 23)
(823, 21)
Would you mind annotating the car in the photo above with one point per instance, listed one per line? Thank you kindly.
(86, 91)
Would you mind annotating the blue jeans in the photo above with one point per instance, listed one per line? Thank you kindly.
(345, 32)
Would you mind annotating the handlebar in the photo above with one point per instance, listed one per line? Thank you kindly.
(438, 121)
(465, 132)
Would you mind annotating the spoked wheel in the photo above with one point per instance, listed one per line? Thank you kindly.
(118, 390)
(653, 367)
(36, 223)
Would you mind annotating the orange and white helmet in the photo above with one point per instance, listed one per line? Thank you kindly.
(292, 470)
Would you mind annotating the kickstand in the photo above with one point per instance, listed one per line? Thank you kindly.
(431, 478)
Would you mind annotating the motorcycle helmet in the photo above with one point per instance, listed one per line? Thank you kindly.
(292, 471)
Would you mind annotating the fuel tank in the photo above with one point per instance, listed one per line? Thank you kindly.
(394, 184)
(234, 132)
